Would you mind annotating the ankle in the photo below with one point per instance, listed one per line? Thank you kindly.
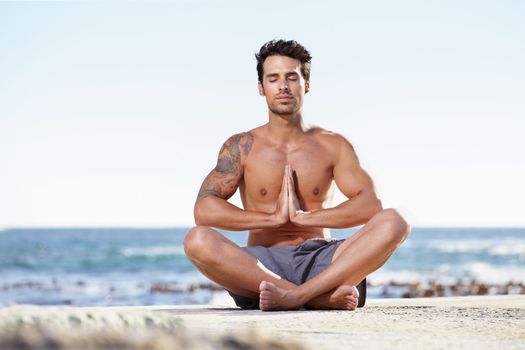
(299, 295)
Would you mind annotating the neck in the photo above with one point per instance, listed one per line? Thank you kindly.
(283, 128)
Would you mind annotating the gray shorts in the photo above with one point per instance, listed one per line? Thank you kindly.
(296, 264)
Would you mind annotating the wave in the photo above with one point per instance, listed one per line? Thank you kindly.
(154, 251)
(484, 272)
(494, 247)
(518, 249)
(384, 276)
(450, 273)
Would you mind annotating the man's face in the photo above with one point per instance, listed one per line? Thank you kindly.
(283, 84)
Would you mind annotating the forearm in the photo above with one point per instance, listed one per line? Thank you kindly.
(217, 212)
(356, 211)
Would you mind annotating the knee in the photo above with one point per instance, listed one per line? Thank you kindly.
(196, 242)
(396, 228)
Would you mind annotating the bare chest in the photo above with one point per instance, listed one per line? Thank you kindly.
(264, 171)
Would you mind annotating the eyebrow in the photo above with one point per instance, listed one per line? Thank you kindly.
(271, 75)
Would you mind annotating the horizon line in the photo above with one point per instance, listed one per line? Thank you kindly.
(109, 227)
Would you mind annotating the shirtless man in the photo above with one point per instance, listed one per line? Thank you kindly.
(284, 171)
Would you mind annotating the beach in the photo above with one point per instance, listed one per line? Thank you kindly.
(135, 289)
(125, 267)
(481, 322)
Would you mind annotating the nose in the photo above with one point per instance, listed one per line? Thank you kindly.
(283, 86)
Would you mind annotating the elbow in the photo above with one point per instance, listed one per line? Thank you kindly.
(199, 214)
(375, 207)
(199, 221)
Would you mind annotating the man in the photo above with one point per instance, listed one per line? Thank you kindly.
(284, 172)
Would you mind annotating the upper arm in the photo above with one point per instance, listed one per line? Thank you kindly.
(224, 179)
(349, 177)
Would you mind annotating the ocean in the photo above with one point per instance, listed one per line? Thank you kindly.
(110, 267)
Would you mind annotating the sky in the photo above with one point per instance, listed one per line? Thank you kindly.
(112, 113)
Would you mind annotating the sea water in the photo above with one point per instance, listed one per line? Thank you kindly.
(96, 266)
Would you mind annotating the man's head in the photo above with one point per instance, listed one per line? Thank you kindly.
(290, 48)
(284, 75)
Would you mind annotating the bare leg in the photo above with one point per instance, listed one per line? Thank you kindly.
(353, 260)
(224, 262)
(227, 264)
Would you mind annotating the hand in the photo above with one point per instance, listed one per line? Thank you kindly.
(294, 207)
(281, 214)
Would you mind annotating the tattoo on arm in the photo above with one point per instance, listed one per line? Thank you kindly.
(223, 180)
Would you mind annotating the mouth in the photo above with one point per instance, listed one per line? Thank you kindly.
(284, 97)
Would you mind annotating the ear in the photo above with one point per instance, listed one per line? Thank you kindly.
(307, 86)
(261, 88)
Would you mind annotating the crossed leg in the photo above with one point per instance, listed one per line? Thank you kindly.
(354, 259)
(227, 264)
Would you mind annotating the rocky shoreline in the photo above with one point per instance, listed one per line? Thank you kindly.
(459, 288)
(172, 292)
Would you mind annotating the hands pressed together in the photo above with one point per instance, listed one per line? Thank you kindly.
(288, 208)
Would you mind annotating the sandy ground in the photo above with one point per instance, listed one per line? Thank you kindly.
(493, 322)
(487, 322)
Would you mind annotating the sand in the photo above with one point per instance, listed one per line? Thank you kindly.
(484, 322)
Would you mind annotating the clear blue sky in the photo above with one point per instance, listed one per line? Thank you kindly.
(112, 114)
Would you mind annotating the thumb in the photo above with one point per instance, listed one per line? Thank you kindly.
(288, 186)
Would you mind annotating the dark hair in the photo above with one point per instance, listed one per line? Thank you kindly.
(290, 48)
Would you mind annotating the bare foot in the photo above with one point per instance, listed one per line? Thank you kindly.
(272, 298)
(345, 297)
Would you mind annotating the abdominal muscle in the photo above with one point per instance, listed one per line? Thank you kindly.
(287, 235)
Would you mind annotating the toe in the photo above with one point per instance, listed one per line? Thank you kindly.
(351, 298)
(263, 286)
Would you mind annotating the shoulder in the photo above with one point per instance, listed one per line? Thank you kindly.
(334, 142)
(240, 143)
(233, 152)
(242, 137)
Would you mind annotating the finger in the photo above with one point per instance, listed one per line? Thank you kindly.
(291, 193)
(287, 186)
(284, 188)
(283, 185)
